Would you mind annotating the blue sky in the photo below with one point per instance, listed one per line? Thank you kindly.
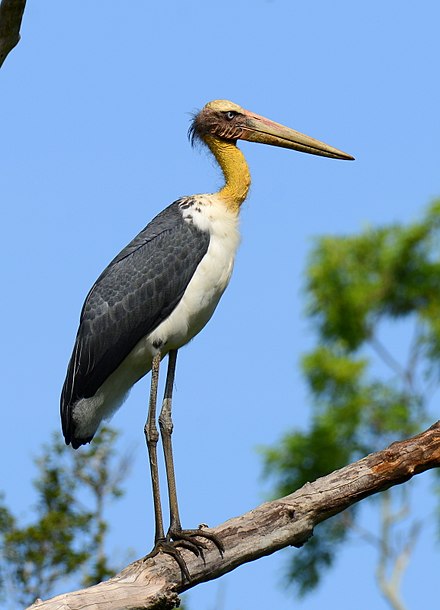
(95, 104)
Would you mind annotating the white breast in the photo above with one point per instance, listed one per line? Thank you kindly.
(211, 277)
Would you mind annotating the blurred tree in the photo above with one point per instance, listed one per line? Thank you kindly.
(66, 538)
(365, 391)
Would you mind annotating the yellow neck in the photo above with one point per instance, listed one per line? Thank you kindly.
(235, 170)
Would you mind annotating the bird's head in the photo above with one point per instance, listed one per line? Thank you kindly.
(227, 121)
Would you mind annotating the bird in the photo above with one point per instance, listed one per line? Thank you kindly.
(159, 292)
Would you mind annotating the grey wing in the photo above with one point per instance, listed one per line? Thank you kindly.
(134, 294)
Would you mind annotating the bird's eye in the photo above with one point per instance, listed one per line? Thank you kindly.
(230, 114)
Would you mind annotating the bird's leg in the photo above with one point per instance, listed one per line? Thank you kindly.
(185, 538)
(161, 543)
(176, 536)
(152, 436)
(166, 430)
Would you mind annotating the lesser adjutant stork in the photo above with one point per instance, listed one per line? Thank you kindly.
(159, 292)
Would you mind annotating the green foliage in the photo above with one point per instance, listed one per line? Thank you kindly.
(7, 523)
(66, 535)
(363, 396)
(353, 282)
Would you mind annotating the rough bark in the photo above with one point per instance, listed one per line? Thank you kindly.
(11, 14)
(157, 582)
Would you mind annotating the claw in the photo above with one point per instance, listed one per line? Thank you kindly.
(190, 536)
(195, 547)
(201, 533)
(186, 539)
(162, 546)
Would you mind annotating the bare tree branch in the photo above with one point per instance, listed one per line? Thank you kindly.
(11, 14)
(156, 582)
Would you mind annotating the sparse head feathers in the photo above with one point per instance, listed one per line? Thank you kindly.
(218, 119)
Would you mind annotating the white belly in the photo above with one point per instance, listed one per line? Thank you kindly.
(188, 318)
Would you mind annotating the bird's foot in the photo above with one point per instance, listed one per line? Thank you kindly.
(186, 539)
(168, 547)
(190, 539)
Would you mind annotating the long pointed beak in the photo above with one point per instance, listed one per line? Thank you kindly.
(260, 129)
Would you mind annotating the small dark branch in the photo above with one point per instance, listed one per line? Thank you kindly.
(387, 358)
(414, 354)
(11, 14)
(289, 521)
